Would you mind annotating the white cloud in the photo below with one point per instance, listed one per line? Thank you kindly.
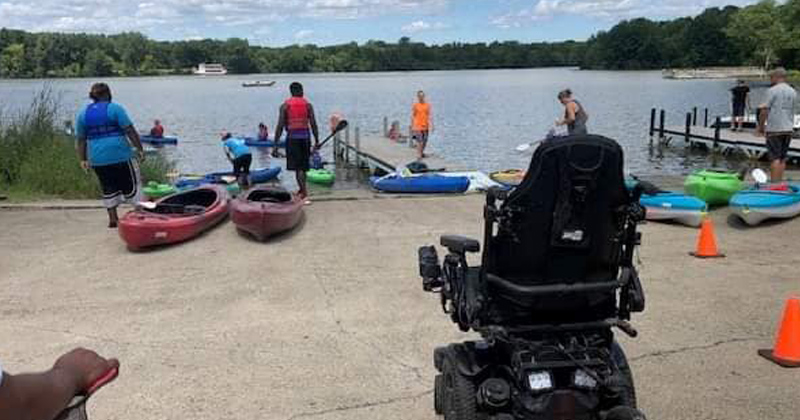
(176, 15)
(303, 34)
(421, 26)
(609, 9)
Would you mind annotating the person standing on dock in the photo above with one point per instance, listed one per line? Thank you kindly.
(105, 135)
(575, 116)
(776, 121)
(421, 123)
(297, 116)
(741, 93)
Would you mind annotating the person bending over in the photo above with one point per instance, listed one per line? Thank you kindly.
(297, 117)
(240, 157)
(42, 396)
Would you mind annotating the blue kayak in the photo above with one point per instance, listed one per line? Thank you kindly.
(678, 207)
(254, 142)
(421, 184)
(756, 205)
(258, 176)
(158, 140)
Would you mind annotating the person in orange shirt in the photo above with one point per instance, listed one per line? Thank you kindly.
(421, 123)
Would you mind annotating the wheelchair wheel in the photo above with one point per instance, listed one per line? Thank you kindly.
(438, 394)
(628, 390)
(460, 395)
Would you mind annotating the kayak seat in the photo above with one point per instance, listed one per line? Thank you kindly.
(270, 195)
(557, 250)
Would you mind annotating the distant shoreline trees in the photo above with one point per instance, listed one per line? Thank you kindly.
(763, 34)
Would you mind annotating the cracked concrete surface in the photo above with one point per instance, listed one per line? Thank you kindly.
(330, 322)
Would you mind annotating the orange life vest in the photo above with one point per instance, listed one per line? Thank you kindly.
(296, 114)
(422, 116)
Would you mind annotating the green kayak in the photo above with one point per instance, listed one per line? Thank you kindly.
(321, 176)
(714, 187)
(156, 190)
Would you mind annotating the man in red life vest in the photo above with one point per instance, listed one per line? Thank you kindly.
(297, 116)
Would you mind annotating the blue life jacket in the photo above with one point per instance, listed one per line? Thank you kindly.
(98, 125)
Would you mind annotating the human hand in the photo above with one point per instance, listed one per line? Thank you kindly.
(85, 165)
(82, 368)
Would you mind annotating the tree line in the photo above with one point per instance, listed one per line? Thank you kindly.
(766, 33)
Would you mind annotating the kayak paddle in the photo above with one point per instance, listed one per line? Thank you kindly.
(339, 127)
(522, 148)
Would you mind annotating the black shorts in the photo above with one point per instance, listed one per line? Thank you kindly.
(298, 154)
(421, 136)
(120, 183)
(241, 165)
(738, 110)
(778, 145)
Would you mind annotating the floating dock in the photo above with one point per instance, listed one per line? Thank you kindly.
(713, 137)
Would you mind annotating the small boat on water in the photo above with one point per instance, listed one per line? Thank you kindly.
(175, 218)
(421, 184)
(266, 211)
(259, 83)
(254, 142)
(714, 187)
(210, 69)
(764, 202)
(157, 140)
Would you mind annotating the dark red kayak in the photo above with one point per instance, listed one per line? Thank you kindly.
(175, 218)
(266, 211)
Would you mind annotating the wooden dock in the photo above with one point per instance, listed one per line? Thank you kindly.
(713, 137)
(376, 151)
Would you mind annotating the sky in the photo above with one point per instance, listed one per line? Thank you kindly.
(326, 22)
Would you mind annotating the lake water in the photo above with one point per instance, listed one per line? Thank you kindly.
(480, 116)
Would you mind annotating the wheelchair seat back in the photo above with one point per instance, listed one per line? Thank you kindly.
(562, 225)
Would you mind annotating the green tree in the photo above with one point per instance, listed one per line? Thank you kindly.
(759, 28)
(97, 63)
(12, 61)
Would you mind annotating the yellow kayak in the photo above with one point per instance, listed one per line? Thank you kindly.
(511, 177)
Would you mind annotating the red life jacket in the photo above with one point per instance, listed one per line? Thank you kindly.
(296, 114)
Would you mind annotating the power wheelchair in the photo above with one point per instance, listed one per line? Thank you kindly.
(556, 276)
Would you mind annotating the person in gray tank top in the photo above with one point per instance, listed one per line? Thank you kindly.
(776, 122)
(575, 116)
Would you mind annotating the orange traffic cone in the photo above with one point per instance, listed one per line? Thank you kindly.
(707, 242)
(787, 344)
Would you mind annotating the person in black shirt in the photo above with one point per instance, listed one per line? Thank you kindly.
(740, 102)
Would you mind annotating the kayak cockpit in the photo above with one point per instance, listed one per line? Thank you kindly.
(270, 195)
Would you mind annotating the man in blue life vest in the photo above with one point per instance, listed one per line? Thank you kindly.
(105, 136)
(297, 117)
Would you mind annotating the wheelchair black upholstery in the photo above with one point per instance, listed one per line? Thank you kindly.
(557, 249)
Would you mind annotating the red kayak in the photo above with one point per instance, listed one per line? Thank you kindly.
(174, 218)
(266, 211)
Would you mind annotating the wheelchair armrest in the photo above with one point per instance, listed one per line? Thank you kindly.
(460, 244)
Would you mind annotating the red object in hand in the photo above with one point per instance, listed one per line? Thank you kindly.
(776, 187)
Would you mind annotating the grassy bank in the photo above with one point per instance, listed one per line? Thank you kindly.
(38, 160)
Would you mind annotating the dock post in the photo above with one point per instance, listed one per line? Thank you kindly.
(386, 127)
(661, 125)
(688, 132)
(358, 148)
(717, 123)
(652, 122)
(705, 120)
(694, 116)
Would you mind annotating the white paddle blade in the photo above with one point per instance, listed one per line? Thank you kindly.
(759, 176)
(147, 205)
(524, 147)
(228, 179)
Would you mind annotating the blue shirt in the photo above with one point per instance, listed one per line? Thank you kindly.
(104, 134)
(237, 147)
